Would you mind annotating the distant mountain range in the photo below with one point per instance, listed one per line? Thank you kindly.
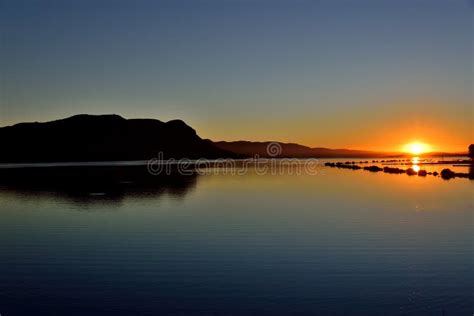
(113, 138)
(300, 151)
(293, 150)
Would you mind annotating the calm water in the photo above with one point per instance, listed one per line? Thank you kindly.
(341, 242)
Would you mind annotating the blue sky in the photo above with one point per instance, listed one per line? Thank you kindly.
(358, 74)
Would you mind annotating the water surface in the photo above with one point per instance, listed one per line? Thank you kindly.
(340, 242)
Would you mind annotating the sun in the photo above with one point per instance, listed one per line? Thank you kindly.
(416, 148)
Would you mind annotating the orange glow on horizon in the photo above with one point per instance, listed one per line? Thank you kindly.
(416, 148)
(394, 135)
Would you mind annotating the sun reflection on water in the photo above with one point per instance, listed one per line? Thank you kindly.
(415, 163)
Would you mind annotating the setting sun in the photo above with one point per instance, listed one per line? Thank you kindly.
(416, 148)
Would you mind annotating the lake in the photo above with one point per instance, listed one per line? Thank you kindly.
(336, 242)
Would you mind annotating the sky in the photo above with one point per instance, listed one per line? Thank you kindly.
(366, 74)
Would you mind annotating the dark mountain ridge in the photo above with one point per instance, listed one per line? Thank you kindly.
(294, 150)
(103, 138)
(300, 151)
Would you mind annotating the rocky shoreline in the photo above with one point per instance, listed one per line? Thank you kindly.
(445, 174)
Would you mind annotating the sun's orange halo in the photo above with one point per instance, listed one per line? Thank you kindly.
(416, 148)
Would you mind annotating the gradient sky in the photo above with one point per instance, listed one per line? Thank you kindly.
(342, 74)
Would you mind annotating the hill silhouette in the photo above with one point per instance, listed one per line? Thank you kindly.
(294, 150)
(289, 150)
(103, 138)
